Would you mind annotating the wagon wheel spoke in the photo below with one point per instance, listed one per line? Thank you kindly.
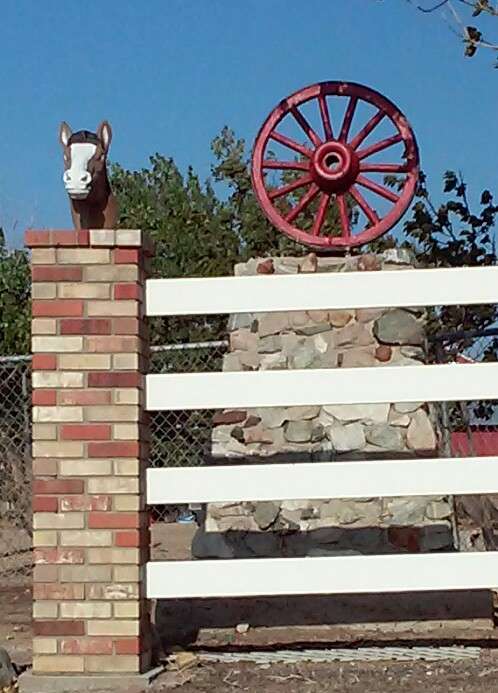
(286, 165)
(303, 203)
(343, 216)
(320, 216)
(376, 188)
(292, 144)
(286, 189)
(306, 126)
(378, 146)
(370, 213)
(383, 168)
(324, 112)
(367, 129)
(348, 118)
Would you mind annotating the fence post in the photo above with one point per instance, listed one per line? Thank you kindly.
(90, 447)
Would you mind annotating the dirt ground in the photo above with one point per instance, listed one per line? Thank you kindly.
(430, 619)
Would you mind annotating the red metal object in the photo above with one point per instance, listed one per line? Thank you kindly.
(331, 168)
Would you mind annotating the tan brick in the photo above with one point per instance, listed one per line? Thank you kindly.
(44, 646)
(83, 256)
(90, 537)
(57, 414)
(106, 237)
(126, 467)
(126, 609)
(131, 627)
(113, 592)
(129, 237)
(43, 256)
(126, 431)
(60, 664)
(99, 556)
(84, 290)
(112, 413)
(44, 539)
(42, 609)
(113, 486)
(85, 610)
(43, 290)
(126, 395)
(85, 362)
(59, 520)
(56, 449)
(86, 467)
(112, 308)
(44, 326)
(85, 573)
(112, 663)
(127, 503)
(111, 273)
(126, 362)
(44, 432)
(57, 379)
(57, 344)
(126, 573)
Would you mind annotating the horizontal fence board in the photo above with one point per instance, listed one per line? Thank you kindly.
(266, 482)
(444, 382)
(335, 575)
(424, 287)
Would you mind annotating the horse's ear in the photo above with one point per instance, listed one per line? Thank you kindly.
(104, 133)
(65, 133)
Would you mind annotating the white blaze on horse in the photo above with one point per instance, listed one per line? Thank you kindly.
(93, 205)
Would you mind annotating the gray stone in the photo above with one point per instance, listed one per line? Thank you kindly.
(385, 437)
(292, 505)
(211, 545)
(318, 433)
(346, 438)
(339, 512)
(437, 537)
(272, 417)
(103, 683)
(331, 264)
(420, 434)
(324, 342)
(263, 543)
(266, 513)
(340, 318)
(270, 344)
(319, 316)
(298, 319)
(368, 314)
(312, 328)
(249, 359)
(407, 407)
(438, 510)
(273, 362)
(398, 256)
(243, 339)
(404, 511)
(298, 431)
(7, 672)
(358, 358)
(240, 321)
(368, 413)
(247, 269)
(398, 419)
(309, 264)
(303, 357)
(257, 434)
(412, 352)
(231, 362)
(399, 327)
(355, 334)
(302, 413)
(272, 323)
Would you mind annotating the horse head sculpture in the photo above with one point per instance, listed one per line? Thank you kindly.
(93, 205)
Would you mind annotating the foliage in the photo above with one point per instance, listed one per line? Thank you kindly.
(14, 300)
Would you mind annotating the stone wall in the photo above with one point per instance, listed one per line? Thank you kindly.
(325, 339)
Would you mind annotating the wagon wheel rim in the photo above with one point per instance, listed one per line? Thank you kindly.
(335, 164)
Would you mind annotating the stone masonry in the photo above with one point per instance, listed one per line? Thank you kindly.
(89, 453)
(325, 339)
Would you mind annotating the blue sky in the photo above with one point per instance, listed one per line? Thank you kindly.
(169, 74)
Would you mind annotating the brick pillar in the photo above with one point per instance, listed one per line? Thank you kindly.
(90, 440)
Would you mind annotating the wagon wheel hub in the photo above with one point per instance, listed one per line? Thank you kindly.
(334, 167)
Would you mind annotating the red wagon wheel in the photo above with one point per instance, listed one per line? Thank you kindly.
(332, 168)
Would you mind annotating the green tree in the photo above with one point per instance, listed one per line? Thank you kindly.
(14, 300)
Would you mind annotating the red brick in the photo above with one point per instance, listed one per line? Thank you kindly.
(36, 239)
(44, 398)
(84, 397)
(125, 379)
(127, 646)
(44, 362)
(126, 326)
(45, 573)
(84, 503)
(86, 432)
(113, 449)
(59, 627)
(126, 256)
(88, 646)
(45, 504)
(66, 556)
(68, 238)
(44, 467)
(127, 539)
(117, 345)
(57, 486)
(59, 308)
(59, 592)
(87, 326)
(48, 273)
(113, 520)
(127, 291)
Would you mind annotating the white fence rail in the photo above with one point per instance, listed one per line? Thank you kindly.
(323, 480)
